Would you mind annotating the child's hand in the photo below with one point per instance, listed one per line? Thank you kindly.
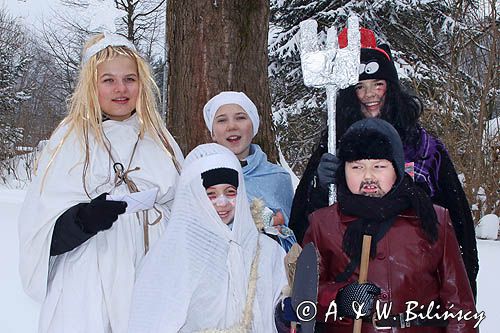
(288, 311)
(99, 214)
(278, 218)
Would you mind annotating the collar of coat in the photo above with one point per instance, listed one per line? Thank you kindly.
(406, 214)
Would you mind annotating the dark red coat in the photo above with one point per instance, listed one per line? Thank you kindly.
(406, 268)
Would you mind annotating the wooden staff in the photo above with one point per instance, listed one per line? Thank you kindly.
(363, 273)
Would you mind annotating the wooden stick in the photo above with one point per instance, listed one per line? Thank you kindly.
(363, 273)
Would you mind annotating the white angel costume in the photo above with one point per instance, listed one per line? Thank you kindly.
(203, 275)
(89, 288)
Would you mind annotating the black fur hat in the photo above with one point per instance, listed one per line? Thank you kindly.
(373, 138)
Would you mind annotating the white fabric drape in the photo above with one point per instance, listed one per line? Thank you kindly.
(89, 288)
(196, 276)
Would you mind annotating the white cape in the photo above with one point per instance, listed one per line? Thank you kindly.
(89, 288)
(197, 275)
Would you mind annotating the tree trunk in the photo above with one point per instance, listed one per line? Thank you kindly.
(214, 46)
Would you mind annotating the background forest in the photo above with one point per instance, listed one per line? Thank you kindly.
(446, 51)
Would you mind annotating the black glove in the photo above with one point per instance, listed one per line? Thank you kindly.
(327, 168)
(99, 214)
(288, 311)
(362, 293)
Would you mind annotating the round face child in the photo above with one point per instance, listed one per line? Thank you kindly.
(233, 129)
(371, 96)
(373, 178)
(118, 87)
(223, 197)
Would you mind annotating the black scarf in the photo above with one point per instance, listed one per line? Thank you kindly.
(376, 216)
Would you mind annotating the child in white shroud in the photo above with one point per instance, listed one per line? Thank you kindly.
(211, 271)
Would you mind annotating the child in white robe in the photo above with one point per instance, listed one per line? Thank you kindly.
(211, 271)
(78, 250)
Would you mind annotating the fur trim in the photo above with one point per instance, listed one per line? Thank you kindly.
(257, 208)
(290, 267)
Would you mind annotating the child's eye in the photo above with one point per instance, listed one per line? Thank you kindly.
(108, 80)
(131, 79)
(231, 193)
(220, 120)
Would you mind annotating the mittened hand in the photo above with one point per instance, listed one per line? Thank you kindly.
(288, 311)
(99, 214)
(356, 299)
(327, 168)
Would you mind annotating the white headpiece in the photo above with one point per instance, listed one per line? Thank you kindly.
(230, 97)
(108, 40)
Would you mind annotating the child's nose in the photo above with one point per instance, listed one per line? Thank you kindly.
(120, 86)
(232, 125)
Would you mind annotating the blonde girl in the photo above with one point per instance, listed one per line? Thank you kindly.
(79, 247)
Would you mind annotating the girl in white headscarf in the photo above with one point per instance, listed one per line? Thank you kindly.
(208, 272)
(233, 121)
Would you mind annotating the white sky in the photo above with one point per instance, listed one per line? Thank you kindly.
(32, 12)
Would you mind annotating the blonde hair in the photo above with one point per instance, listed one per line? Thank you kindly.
(85, 114)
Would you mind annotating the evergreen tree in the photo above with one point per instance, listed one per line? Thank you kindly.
(13, 64)
(418, 33)
(445, 51)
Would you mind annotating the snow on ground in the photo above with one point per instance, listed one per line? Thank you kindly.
(488, 287)
(19, 314)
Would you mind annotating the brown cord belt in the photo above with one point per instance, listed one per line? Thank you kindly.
(122, 176)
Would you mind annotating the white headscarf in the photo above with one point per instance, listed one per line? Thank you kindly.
(196, 277)
(108, 40)
(230, 97)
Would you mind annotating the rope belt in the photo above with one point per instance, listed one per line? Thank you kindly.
(122, 177)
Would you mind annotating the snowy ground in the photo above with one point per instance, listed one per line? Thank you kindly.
(18, 313)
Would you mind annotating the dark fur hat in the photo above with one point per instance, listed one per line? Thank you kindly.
(373, 138)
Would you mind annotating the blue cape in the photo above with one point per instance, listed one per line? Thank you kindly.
(268, 182)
